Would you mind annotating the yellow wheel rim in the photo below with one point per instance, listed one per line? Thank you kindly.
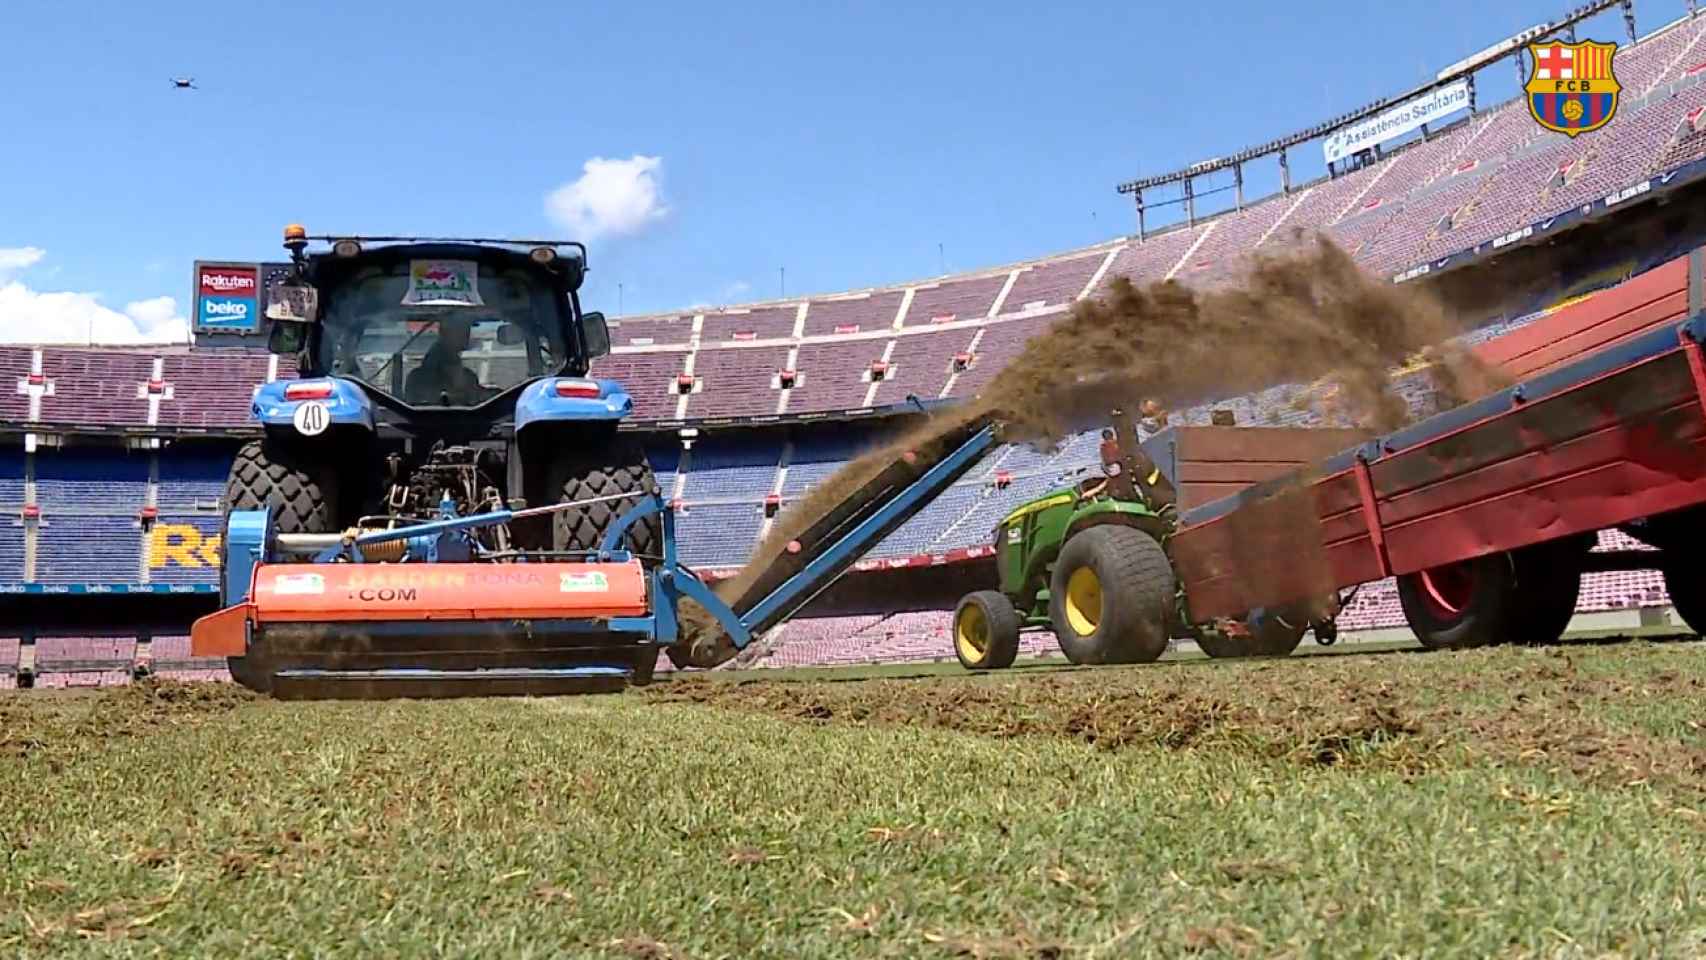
(1084, 601)
(971, 634)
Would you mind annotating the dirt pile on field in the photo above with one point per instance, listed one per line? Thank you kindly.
(1301, 314)
(59, 720)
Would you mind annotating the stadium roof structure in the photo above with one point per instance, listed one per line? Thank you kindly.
(1463, 70)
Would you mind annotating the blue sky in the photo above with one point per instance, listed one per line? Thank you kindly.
(851, 144)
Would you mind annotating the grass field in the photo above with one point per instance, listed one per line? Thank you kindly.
(1506, 802)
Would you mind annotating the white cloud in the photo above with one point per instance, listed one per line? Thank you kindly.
(18, 258)
(611, 198)
(31, 316)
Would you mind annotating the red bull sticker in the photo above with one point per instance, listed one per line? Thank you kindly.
(442, 283)
(299, 584)
(589, 582)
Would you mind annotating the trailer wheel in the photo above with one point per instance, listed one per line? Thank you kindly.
(986, 631)
(606, 469)
(301, 498)
(1682, 582)
(1217, 644)
(1111, 596)
(1268, 633)
(1548, 585)
(1465, 604)
(1276, 633)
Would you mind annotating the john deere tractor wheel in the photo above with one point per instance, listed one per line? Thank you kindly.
(986, 631)
(605, 468)
(1111, 597)
(301, 497)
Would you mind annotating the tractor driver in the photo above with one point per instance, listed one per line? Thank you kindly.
(441, 378)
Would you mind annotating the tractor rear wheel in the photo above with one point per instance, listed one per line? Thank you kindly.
(300, 496)
(617, 466)
(1111, 596)
(986, 631)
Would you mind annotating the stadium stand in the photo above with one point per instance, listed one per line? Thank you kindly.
(1480, 178)
(853, 313)
(147, 518)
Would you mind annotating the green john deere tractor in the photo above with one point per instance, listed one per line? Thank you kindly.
(1091, 563)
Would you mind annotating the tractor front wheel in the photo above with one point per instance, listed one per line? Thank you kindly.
(1111, 597)
(300, 496)
(986, 631)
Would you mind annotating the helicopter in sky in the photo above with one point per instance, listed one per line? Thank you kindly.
(184, 83)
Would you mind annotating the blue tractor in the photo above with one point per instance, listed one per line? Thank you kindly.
(440, 378)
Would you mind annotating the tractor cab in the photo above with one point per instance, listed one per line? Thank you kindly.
(428, 324)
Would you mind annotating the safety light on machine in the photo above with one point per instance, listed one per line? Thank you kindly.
(295, 231)
(542, 255)
(586, 389)
(308, 390)
(346, 248)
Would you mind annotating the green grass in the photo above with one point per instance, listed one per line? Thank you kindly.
(1489, 803)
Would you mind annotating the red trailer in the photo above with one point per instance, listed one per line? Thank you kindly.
(1486, 513)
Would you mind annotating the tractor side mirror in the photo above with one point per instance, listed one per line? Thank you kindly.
(597, 334)
(510, 335)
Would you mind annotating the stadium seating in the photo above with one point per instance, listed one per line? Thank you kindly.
(722, 469)
(150, 517)
(1476, 180)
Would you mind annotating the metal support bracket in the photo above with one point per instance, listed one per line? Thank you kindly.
(1371, 508)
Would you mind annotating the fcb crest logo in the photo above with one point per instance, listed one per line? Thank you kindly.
(1571, 89)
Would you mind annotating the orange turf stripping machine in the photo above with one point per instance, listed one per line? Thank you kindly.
(426, 610)
(423, 610)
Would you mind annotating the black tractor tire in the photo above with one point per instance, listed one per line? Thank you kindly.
(1120, 608)
(300, 497)
(617, 467)
(986, 631)
(1548, 585)
(1468, 604)
(1683, 582)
